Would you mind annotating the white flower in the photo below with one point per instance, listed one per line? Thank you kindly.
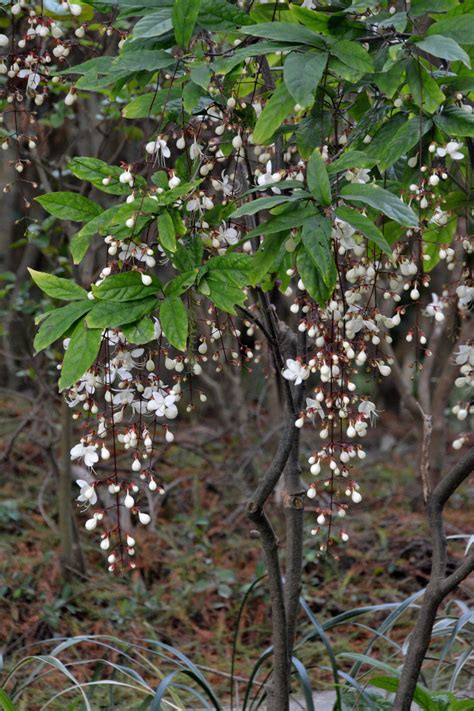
(87, 493)
(465, 355)
(313, 407)
(268, 177)
(465, 294)
(158, 146)
(195, 150)
(163, 405)
(435, 308)
(227, 185)
(33, 78)
(451, 150)
(295, 371)
(368, 409)
(229, 235)
(343, 232)
(86, 452)
(439, 217)
(358, 175)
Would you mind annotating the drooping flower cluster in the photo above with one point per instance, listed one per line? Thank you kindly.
(128, 399)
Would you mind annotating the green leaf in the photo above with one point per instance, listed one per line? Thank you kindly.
(268, 257)
(78, 246)
(362, 224)
(285, 32)
(69, 206)
(234, 266)
(151, 104)
(353, 55)
(201, 75)
(317, 178)
(382, 200)
(110, 314)
(99, 65)
(143, 331)
(275, 112)
(421, 7)
(174, 321)
(220, 15)
(149, 60)
(58, 321)
(183, 17)
(283, 222)
(444, 47)
(350, 159)
(127, 286)
(460, 28)
(302, 73)
(94, 171)
(166, 231)
(316, 237)
(192, 94)
(254, 206)
(405, 138)
(423, 88)
(154, 25)
(433, 238)
(421, 697)
(311, 277)
(222, 293)
(455, 122)
(180, 284)
(58, 288)
(82, 351)
(7, 703)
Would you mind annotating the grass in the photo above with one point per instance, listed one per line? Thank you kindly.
(196, 566)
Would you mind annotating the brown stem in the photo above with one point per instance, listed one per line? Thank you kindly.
(439, 585)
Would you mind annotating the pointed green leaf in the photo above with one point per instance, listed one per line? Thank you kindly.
(362, 224)
(154, 24)
(250, 208)
(82, 351)
(353, 55)
(110, 314)
(382, 200)
(277, 108)
(351, 159)
(408, 135)
(311, 278)
(127, 286)
(286, 32)
(166, 231)
(57, 287)
(317, 179)
(174, 321)
(316, 236)
(444, 47)
(183, 17)
(302, 73)
(58, 321)
(423, 88)
(143, 331)
(69, 206)
(455, 122)
(460, 28)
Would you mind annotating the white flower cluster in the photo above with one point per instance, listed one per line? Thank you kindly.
(128, 402)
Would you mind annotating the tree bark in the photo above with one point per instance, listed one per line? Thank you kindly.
(439, 585)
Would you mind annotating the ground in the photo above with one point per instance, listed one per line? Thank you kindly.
(194, 568)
